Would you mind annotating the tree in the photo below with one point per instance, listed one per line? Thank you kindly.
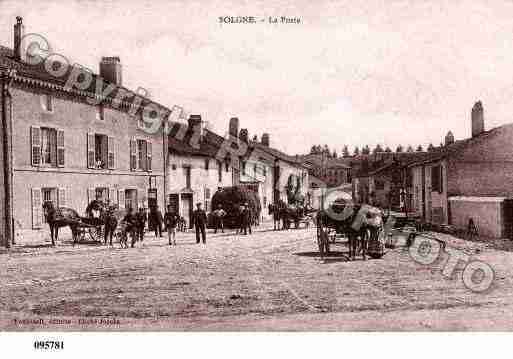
(399, 149)
(419, 148)
(388, 150)
(431, 148)
(366, 150)
(409, 148)
(345, 151)
(356, 151)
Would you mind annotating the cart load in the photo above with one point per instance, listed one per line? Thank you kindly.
(231, 198)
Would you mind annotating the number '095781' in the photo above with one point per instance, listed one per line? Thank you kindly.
(48, 345)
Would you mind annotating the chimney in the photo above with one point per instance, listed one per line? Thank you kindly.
(265, 140)
(449, 139)
(195, 126)
(19, 32)
(477, 119)
(234, 127)
(244, 135)
(111, 70)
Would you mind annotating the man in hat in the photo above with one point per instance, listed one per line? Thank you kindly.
(141, 219)
(199, 221)
(246, 219)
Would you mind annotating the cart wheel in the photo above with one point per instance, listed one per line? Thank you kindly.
(96, 233)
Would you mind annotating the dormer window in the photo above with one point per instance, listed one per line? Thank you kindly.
(46, 102)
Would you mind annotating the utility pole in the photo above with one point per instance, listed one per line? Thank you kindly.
(6, 104)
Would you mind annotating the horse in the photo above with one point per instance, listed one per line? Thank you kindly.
(359, 223)
(60, 217)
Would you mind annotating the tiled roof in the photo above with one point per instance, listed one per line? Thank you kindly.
(295, 160)
(207, 147)
(38, 75)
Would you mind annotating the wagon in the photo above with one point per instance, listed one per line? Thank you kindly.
(91, 229)
(347, 224)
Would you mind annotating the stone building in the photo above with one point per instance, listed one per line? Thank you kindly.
(194, 171)
(477, 170)
(71, 137)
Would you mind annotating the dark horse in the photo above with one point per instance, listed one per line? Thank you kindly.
(358, 223)
(60, 217)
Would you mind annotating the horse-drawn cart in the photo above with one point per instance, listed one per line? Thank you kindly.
(89, 229)
(360, 228)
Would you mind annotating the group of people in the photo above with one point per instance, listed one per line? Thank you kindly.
(134, 221)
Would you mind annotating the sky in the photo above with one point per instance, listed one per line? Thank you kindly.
(351, 73)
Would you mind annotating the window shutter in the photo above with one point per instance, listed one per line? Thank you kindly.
(60, 148)
(35, 139)
(90, 151)
(133, 154)
(62, 197)
(110, 159)
(148, 155)
(121, 198)
(37, 208)
(112, 195)
(91, 195)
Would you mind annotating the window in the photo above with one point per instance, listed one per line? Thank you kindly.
(46, 102)
(173, 166)
(226, 166)
(264, 169)
(47, 146)
(265, 201)
(100, 151)
(436, 179)
(131, 198)
(207, 199)
(101, 194)
(244, 167)
(207, 163)
(255, 170)
(49, 195)
(219, 171)
(140, 155)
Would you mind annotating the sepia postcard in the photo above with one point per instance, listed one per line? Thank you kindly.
(266, 166)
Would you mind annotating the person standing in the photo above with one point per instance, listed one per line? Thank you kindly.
(156, 221)
(111, 223)
(131, 221)
(170, 221)
(199, 221)
(219, 215)
(141, 219)
(246, 219)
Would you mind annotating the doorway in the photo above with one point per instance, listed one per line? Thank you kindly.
(186, 207)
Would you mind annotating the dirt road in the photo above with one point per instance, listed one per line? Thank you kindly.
(269, 280)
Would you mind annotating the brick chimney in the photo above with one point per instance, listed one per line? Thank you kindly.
(19, 32)
(195, 120)
(449, 138)
(233, 129)
(266, 140)
(111, 70)
(244, 135)
(477, 119)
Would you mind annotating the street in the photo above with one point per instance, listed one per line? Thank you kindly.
(271, 280)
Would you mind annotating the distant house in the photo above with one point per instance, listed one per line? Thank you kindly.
(194, 173)
(332, 171)
(477, 167)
